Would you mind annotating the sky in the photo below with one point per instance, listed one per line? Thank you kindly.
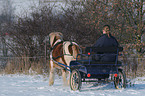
(23, 7)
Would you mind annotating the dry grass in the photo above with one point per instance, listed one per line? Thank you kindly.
(134, 67)
(24, 65)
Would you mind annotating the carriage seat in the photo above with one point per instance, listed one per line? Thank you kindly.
(104, 51)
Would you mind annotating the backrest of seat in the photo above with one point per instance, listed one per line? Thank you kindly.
(104, 49)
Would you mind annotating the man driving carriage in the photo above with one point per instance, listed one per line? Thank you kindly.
(105, 40)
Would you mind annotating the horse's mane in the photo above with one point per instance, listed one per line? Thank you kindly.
(55, 37)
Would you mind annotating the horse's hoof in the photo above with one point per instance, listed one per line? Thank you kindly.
(51, 83)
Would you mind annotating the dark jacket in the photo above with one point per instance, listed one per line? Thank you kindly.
(105, 41)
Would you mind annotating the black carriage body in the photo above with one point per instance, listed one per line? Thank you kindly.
(96, 69)
(85, 69)
(101, 70)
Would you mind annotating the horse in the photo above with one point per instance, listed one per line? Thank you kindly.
(63, 52)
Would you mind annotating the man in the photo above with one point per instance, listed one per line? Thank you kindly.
(106, 40)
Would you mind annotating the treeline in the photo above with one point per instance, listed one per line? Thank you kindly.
(82, 22)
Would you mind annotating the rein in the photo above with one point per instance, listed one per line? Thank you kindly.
(64, 54)
(58, 42)
(72, 43)
(63, 50)
(61, 65)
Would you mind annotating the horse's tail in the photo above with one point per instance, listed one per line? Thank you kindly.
(70, 51)
(66, 52)
(76, 49)
(66, 45)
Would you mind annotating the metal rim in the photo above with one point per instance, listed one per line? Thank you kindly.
(120, 81)
(75, 80)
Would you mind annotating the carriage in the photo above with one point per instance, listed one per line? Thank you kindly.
(66, 55)
(85, 69)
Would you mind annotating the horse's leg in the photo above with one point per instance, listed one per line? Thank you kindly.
(68, 77)
(68, 59)
(51, 74)
(64, 77)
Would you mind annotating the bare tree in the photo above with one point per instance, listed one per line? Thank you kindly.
(132, 11)
(6, 18)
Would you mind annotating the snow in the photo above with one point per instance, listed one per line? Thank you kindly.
(37, 85)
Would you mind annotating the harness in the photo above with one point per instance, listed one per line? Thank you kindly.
(71, 43)
(64, 53)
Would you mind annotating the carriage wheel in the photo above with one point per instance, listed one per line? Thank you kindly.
(120, 80)
(75, 80)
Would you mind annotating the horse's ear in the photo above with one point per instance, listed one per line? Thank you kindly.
(51, 38)
(50, 35)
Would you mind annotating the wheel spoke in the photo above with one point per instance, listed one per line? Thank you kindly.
(75, 80)
(120, 80)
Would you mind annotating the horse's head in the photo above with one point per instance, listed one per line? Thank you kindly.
(55, 37)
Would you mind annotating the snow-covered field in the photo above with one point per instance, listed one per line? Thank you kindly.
(37, 85)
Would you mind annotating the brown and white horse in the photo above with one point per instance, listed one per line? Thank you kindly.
(62, 52)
